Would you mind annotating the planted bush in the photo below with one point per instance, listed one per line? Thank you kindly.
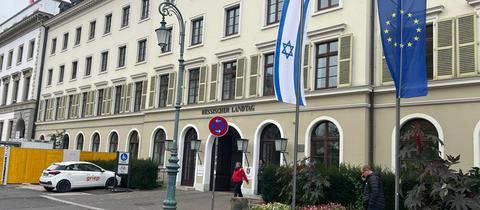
(143, 173)
(271, 206)
(330, 206)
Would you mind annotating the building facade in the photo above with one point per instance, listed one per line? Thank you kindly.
(112, 88)
(21, 41)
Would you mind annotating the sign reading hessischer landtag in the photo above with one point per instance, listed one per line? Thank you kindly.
(228, 109)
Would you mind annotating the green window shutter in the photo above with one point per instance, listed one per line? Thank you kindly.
(92, 103)
(467, 45)
(122, 98)
(77, 105)
(61, 108)
(240, 78)
(306, 67)
(104, 102)
(49, 113)
(108, 103)
(345, 60)
(445, 64)
(171, 88)
(151, 96)
(253, 77)
(202, 85)
(213, 83)
(143, 103)
(40, 111)
(128, 98)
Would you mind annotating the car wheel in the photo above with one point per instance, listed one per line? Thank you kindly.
(49, 189)
(63, 186)
(110, 182)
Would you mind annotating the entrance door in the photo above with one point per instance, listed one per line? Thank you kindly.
(228, 155)
(189, 160)
(268, 153)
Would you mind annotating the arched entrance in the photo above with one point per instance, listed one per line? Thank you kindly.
(189, 159)
(268, 153)
(228, 155)
(325, 140)
(66, 141)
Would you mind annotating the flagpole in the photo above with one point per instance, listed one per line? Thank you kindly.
(397, 118)
(297, 104)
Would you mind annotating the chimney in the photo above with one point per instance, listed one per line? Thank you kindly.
(31, 2)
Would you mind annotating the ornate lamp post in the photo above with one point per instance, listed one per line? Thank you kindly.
(281, 146)
(166, 8)
(242, 146)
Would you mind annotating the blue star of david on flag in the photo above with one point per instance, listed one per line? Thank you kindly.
(403, 33)
(288, 49)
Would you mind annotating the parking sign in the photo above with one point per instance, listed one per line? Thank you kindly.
(124, 158)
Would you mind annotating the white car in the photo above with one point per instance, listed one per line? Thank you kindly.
(65, 176)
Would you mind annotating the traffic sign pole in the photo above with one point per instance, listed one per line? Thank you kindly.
(214, 172)
(218, 127)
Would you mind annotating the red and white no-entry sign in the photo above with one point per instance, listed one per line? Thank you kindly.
(218, 126)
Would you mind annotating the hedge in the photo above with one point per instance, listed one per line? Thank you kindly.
(143, 173)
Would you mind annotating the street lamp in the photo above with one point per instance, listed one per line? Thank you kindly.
(195, 147)
(166, 8)
(242, 146)
(169, 144)
(281, 146)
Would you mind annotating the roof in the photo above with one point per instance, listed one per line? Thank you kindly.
(71, 162)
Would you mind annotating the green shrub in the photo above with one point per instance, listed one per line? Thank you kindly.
(271, 185)
(143, 173)
(271, 206)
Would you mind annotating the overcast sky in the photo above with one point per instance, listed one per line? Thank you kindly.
(11, 7)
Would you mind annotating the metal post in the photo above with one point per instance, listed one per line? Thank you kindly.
(170, 202)
(397, 118)
(214, 173)
(115, 175)
(297, 106)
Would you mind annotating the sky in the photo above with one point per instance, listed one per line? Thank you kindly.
(11, 7)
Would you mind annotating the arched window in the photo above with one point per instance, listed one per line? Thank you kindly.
(325, 147)
(96, 142)
(42, 138)
(80, 142)
(66, 141)
(133, 145)
(20, 128)
(422, 133)
(267, 144)
(159, 147)
(113, 146)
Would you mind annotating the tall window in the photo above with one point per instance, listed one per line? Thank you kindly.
(274, 11)
(197, 31)
(15, 91)
(84, 103)
(168, 46)
(99, 102)
(429, 49)
(57, 104)
(61, 73)
(125, 16)
(54, 46)
(133, 145)
(74, 69)
(88, 65)
(91, 35)
(26, 88)
(159, 147)
(113, 142)
(229, 71)
(66, 142)
(96, 142)
(232, 20)
(108, 24)
(420, 132)
(65, 41)
(5, 92)
(118, 95)
(50, 77)
(325, 140)
(78, 36)
(142, 50)
(70, 110)
(20, 54)
(162, 96)
(80, 142)
(104, 61)
(326, 65)
(122, 51)
(268, 88)
(326, 4)
(1, 63)
(268, 153)
(31, 47)
(138, 96)
(193, 86)
(10, 59)
(145, 9)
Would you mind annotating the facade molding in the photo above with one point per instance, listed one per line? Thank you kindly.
(229, 55)
(333, 30)
(164, 68)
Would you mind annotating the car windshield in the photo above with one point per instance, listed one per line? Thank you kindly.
(56, 167)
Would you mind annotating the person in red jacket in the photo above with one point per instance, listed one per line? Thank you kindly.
(237, 178)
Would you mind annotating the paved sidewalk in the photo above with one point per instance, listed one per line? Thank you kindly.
(35, 197)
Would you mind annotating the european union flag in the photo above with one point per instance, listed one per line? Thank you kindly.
(402, 24)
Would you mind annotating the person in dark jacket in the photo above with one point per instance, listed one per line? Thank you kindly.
(238, 177)
(373, 195)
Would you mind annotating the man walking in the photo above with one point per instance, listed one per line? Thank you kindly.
(373, 196)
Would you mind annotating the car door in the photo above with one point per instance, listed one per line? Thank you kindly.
(75, 175)
(94, 176)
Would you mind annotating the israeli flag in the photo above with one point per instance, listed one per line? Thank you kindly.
(286, 58)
